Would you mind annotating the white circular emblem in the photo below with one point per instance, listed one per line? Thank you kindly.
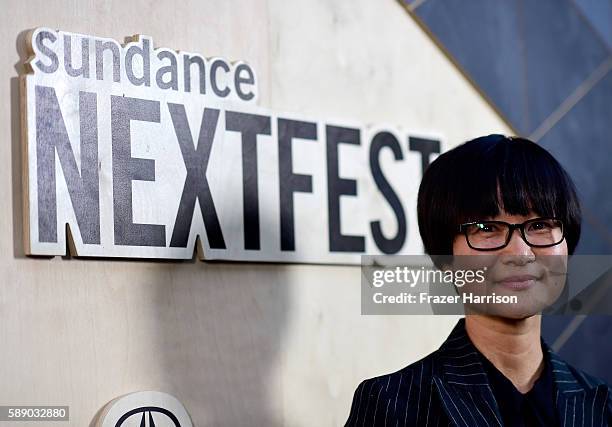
(145, 409)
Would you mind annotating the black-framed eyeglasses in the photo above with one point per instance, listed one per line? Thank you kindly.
(493, 235)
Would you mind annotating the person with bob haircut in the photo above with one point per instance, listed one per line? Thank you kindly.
(509, 198)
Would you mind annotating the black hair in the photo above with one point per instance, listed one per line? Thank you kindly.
(481, 177)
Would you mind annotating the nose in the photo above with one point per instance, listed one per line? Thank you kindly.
(517, 251)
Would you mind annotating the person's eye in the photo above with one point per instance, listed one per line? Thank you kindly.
(540, 226)
(487, 228)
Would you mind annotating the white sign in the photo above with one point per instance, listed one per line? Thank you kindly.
(131, 151)
(145, 409)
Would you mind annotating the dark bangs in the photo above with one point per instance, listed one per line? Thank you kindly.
(481, 177)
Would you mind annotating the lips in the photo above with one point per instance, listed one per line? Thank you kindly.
(520, 282)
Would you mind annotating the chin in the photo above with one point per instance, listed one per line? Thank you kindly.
(505, 311)
(524, 303)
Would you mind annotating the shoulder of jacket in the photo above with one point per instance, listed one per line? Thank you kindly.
(586, 379)
(415, 373)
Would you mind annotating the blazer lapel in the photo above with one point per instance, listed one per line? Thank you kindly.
(462, 384)
(467, 398)
(579, 401)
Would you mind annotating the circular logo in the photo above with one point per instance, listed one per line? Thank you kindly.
(145, 409)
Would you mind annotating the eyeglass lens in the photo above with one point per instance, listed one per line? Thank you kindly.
(491, 234)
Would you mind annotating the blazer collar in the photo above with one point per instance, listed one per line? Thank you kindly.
(462, 384)
(459, 360)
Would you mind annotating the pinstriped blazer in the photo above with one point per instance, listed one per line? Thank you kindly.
(449, 387)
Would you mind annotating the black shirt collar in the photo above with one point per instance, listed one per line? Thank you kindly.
(534, 408)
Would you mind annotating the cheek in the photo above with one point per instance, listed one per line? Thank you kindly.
(553, 260)
(560, 249)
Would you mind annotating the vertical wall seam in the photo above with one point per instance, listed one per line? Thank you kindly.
(524, 65)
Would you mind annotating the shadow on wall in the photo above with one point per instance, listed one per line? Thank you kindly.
(208, 333)
(219, 331)
(16, 155)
